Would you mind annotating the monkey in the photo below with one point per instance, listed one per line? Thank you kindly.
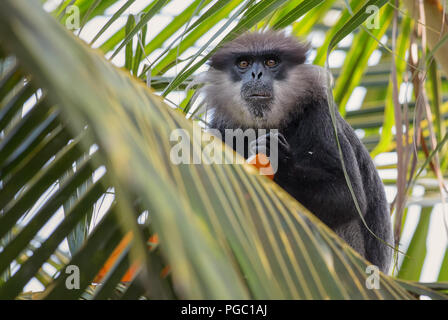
(261, 80)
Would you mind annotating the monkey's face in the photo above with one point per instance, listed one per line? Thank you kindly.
(256, 75)
(259, 79)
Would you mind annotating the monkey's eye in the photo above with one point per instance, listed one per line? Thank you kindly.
(271, 62)
(243, 64)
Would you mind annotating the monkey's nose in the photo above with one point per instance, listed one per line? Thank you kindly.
(257, 75)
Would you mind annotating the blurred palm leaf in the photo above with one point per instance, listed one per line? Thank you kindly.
(224, 231)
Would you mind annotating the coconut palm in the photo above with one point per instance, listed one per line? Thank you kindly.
(90, 200)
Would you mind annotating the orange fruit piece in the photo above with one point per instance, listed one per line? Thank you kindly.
(262, 163)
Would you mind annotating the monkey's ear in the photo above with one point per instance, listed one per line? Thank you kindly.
(221, 59)
(298, 52)
(290, 47)
(307, 48)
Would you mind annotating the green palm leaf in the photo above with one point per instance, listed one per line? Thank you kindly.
(225, 232)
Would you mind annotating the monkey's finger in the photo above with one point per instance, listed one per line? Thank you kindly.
(253, 147)
(264, 139)
(262, 149)
(281, 138)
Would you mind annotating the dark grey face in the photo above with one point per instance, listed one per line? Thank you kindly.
(257, 74)
(257, 80)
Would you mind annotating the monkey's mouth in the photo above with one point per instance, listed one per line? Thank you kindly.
(259, 103)
(260, 96)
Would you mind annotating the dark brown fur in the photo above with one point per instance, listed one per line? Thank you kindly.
(309, 163)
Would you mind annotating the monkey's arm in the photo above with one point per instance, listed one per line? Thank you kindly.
(317, 180)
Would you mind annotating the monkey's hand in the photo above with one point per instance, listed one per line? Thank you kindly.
(274, 146)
